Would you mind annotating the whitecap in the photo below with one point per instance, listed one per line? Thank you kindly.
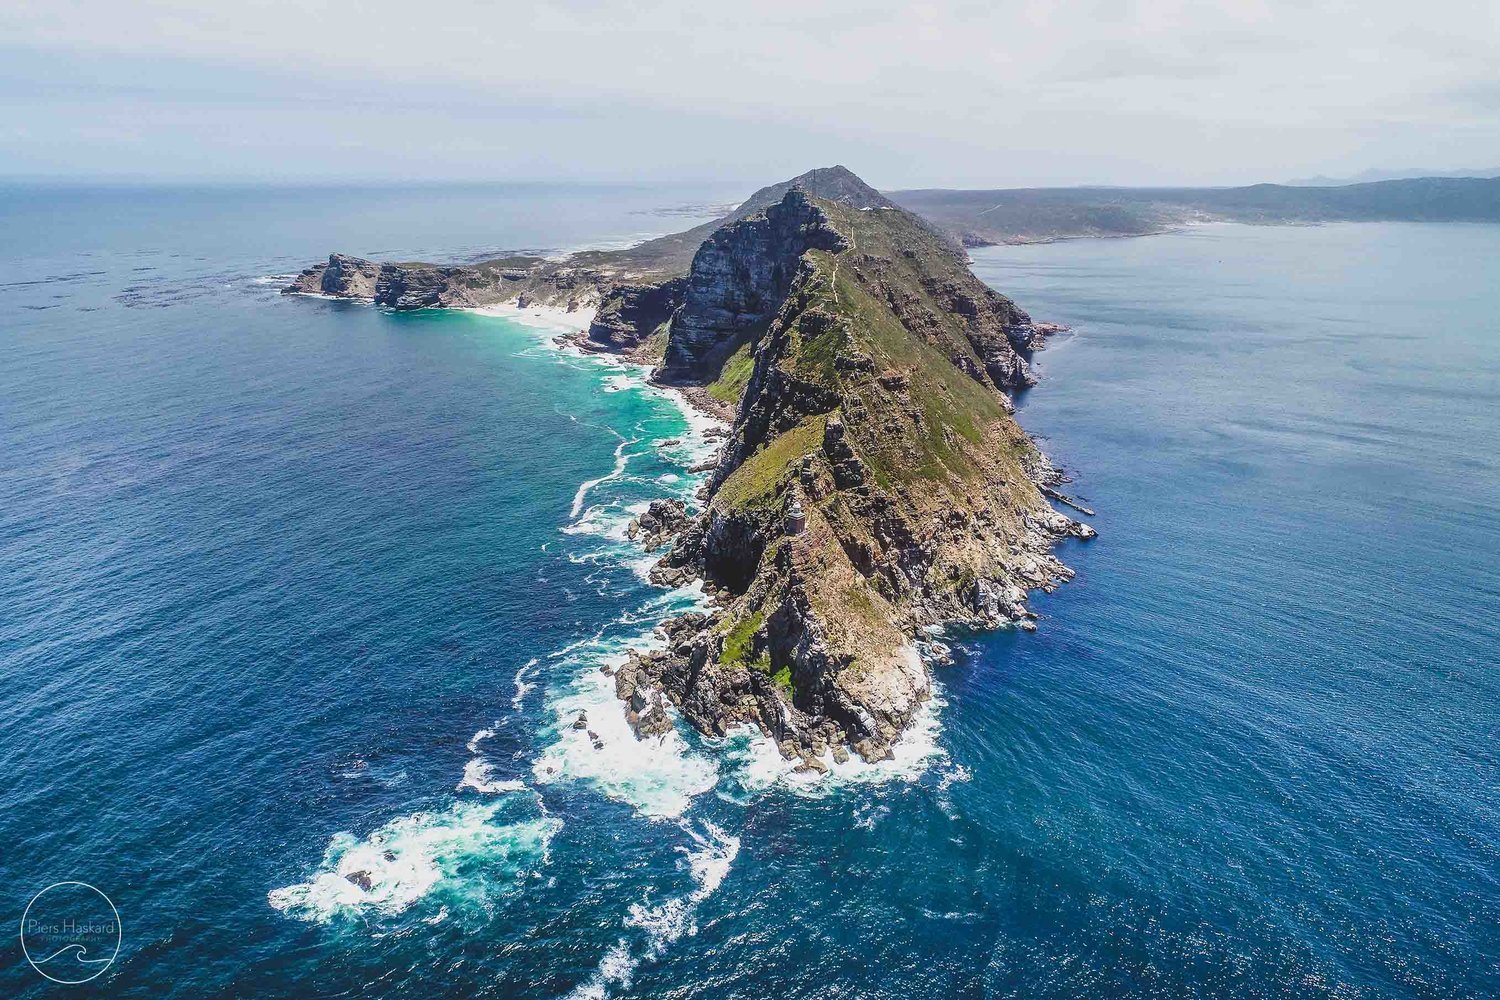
(479, 775)
(523, 685)
(708, 860)
(458, 852)
(480, 737)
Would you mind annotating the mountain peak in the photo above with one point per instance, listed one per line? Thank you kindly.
(840, 184)
(836, 183)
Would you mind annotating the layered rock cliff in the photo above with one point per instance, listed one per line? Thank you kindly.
(739, 279)
(630, 315)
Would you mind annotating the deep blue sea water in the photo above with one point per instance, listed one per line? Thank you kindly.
(292, 588)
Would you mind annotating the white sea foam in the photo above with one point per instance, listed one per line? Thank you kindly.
(659, 777)
(610, 521)
(479, 775)
(425, 852)
(708, 860)
(523, 683)
(630, 379)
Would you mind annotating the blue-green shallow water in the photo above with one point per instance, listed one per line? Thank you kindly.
(271, 568)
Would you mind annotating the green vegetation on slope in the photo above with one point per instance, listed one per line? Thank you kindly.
(734, 376)
(739, 639)
(755, 482)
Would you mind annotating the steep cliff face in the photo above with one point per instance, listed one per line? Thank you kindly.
(631, 314)
(739, 279)
(874, 484)
(342, 276)
(415, 287)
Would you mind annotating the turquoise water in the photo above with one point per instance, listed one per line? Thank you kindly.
(294, 589)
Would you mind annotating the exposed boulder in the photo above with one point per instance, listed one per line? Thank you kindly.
(660, 523)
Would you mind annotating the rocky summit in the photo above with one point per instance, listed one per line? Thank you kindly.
(874, 484)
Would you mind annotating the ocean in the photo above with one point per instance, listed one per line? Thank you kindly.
(295, 589)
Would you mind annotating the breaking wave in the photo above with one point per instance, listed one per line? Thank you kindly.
(465, 853)
(650, 930)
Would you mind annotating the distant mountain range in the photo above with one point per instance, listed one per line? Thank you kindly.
(1034, 215)
(1366, 176)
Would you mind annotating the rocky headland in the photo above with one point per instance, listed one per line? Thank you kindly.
(874, 484)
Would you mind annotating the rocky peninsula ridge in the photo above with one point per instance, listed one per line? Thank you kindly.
(874, 485)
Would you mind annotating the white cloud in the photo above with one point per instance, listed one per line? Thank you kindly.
(984, 92)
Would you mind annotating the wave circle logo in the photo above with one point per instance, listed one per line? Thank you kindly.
(70, 932)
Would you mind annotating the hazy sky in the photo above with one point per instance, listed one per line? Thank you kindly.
(989, 93)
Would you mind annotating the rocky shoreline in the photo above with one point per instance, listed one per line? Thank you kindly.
(872, 484)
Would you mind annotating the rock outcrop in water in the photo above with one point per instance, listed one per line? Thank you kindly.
(874, 485)
(342, 277)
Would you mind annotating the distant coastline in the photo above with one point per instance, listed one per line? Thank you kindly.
(1045, 215)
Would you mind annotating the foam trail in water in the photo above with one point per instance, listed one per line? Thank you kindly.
(621, 461)
(523, 685)
(708, 861)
